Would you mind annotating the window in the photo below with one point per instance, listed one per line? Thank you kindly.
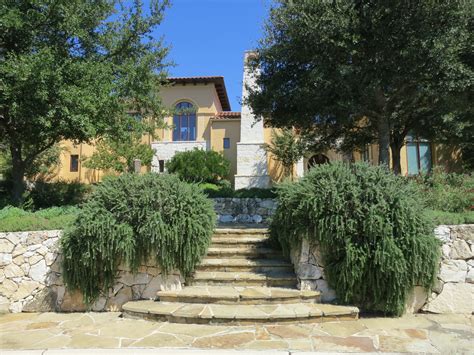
(184, 122)
(317, 159)
(226, 143)
(74, 164)
(418, 155)
(161, 164)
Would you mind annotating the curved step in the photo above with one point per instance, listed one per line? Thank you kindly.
(242, 252)
(239, 231)
(238, 314)
(238, 295)
(268, 279)
(236, 265)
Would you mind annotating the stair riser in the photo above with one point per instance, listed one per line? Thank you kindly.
(248, 254)
(265, 283)
(233, 321)
(250, 268)
(239, 245)
(207, 300)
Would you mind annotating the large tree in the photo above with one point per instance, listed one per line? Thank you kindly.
(72, 69)
(358, 72)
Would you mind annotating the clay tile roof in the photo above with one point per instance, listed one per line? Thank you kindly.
(226, 115)
(218, 82)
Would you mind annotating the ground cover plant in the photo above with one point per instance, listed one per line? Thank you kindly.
(131, 219)
(375, 241)
(223, 189)
(449, 197)
(13, 219)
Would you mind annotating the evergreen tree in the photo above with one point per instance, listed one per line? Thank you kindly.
(359, 72)
(72, 69)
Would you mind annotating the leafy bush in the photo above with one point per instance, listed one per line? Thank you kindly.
(130, 219)
(199, 165)
(255, 192)
(375, 241)
(61, 193)
(447, 192)
(14, 219)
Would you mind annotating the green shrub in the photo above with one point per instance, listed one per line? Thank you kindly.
(199, 165)
(447, 192)
(217, 190)
(61, 193)
(130, 219)
(14, 219)
(225, 190)
(375, 242)
(255, 192)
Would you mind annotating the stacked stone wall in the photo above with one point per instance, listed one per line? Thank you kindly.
(454, 289)
(244, 210)
(31, 281)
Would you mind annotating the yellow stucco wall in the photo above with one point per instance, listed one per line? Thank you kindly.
(203, 96)
(226, 129)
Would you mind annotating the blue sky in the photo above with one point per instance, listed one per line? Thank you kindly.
(209, 37)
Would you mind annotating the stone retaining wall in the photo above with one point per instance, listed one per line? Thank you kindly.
(453, 293)
(244, 210)
(30, 277)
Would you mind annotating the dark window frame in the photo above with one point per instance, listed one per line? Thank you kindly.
(224, 140)
(74, 163)
(191, 123)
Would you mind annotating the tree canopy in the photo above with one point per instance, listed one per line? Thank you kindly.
(359, 72)
(73, 69)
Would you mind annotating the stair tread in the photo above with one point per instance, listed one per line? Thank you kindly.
(240, 312)
(236, 250)
(239, 292)
(240, 239)
(244, 262)
(244, 275)
(240, 230)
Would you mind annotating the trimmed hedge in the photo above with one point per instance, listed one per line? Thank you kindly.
(376, 243)
(131, 219)
(14, 219)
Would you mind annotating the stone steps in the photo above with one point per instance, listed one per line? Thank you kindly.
(238, 295)
(243, 252)
(238, 314)
(268, 279)
(242, 280)
(242, 265)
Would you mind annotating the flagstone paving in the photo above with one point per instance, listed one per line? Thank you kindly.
(422, 333)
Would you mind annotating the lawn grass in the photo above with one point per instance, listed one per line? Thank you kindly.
(14, 219)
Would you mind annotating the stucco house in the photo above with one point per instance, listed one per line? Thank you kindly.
(203, 119)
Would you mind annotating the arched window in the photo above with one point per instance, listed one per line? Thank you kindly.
(184, 122)
(317, 159)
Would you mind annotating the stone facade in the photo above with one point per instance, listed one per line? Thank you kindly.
(252, 167)
(166, 150)
(30, 278)
(244, 210)
(453, 293)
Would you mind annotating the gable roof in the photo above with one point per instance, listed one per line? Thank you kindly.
(218, 82)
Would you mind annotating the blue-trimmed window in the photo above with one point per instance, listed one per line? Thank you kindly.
(184, 122)
(418, 155)
(226, 143)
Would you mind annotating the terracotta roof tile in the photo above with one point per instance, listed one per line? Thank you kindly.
(226, 115)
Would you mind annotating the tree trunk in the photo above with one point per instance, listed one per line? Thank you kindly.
(397, 168)
(384, 141)
(18, 174)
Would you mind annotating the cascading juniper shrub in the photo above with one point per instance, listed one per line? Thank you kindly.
(130, 219)
(375, 241)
